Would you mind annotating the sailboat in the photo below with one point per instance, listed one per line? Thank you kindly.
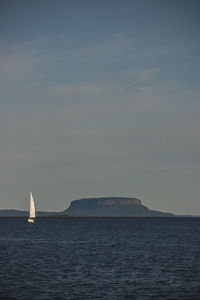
(31, 210)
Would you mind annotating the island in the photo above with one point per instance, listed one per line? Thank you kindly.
(112, 207)
(97, 207)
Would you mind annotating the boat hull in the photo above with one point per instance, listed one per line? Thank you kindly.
(30, 220)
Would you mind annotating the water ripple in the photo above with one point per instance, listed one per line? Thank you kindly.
(92, 258)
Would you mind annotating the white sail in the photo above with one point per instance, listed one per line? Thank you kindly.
(32, 207)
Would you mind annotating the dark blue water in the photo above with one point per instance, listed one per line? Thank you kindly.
(100, 258)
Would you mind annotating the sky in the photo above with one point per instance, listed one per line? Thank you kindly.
(100, 98)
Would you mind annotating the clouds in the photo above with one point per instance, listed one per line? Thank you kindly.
(112, 114)
(18, 63)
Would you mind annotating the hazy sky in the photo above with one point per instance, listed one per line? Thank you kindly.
(100, 98)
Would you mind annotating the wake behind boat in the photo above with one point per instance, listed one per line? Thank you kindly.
(31, 218)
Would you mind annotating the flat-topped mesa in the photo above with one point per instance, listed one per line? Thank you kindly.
(110, 206)
(105, 202)
(118, 201)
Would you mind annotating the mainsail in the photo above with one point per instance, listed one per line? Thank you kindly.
(32, 207)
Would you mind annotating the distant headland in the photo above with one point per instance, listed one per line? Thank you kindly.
(112, 207)
(98, 207)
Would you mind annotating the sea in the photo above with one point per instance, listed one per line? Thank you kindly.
(100, 258)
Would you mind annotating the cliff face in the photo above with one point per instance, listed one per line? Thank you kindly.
(111, 206)
(118, 201)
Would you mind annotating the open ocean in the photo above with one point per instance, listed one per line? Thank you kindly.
(100, 258)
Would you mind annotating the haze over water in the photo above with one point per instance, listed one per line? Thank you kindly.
(100, 258)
